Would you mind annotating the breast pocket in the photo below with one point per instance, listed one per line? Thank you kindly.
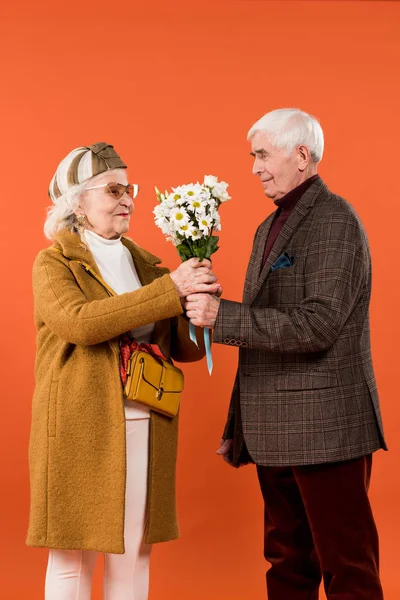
(285, 286)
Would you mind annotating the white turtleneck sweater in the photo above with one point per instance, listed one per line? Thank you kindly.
(118, 271)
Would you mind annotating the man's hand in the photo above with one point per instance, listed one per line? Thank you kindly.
(202, 309)
(193, 276)
(225, 450)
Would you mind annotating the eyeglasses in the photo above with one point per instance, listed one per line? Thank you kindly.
(117, 190)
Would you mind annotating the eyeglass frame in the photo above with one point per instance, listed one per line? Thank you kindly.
(135, 187)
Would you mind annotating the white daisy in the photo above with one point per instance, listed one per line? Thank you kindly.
(164, 225)
(205, 224)
(184, 230)
(196, 203)
(179, 216)
(195, 233)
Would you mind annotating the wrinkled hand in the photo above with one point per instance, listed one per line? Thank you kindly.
(225, 450)
(202, 309)
(193, 276)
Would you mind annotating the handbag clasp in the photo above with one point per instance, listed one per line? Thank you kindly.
(160, 393)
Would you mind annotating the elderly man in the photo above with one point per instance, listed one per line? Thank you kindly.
(304, 406)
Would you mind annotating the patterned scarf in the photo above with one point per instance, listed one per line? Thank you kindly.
(127, 346)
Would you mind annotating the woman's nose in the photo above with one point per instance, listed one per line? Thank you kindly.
(126, 200)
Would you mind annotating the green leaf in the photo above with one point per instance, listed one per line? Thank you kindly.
(202, 253)
(184, 252)
(184, 249)
(212, 246)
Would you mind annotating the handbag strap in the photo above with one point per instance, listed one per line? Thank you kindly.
(88, 270)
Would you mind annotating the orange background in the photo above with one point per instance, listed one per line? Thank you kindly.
(175, 86)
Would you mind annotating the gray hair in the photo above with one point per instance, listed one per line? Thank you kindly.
(61, 215)
(291, 127)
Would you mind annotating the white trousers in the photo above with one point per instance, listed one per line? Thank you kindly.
(126, 576)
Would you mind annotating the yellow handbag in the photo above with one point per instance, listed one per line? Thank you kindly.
(155, 382)
(150, 380)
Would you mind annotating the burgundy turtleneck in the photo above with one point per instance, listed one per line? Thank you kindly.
(285, 206)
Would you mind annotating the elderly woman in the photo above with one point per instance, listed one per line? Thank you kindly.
(102, 468)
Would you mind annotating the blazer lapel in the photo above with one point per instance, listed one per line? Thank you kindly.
(301, 209)
(257, 253)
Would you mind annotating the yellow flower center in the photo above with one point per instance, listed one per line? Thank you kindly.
(204, 222)
(179, 216)
(190, 193)
(196, 204)
(176, 197)
(185, 227)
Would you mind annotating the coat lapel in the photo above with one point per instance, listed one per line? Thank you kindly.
(301, 209)
(147, 268)
(145, 262)
(73, 249)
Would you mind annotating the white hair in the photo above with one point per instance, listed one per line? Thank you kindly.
(61, 215)
(290, 127)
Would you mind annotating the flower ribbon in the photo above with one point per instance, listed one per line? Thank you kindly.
(207, 343)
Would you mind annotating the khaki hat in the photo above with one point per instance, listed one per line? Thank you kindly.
(82, 164)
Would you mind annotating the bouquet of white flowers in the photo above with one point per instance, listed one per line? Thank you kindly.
(188, 216)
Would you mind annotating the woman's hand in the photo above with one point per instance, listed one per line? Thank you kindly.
(193, 277)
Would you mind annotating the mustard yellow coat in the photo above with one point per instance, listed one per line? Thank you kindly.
(77, 450)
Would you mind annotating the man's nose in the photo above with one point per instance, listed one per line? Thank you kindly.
(258, 166)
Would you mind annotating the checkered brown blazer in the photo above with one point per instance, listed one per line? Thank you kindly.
(305, 390)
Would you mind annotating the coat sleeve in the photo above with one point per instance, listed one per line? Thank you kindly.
(182, 347)
(60, 304)
(336, 271)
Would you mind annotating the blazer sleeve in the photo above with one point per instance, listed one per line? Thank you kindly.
(336, 271)
(63, 307)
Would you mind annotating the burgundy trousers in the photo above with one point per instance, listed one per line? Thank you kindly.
(319, 524)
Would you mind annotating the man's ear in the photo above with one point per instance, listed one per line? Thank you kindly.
(303, 157)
